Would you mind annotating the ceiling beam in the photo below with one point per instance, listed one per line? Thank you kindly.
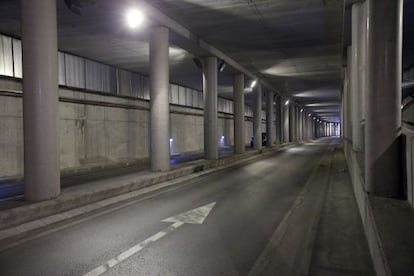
(196, 41)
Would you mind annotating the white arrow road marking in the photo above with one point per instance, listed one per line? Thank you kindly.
(195, 216)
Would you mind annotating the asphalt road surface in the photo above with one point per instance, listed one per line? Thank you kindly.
(241, 209)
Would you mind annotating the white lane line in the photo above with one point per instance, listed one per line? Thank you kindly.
(133, 250)
(194, 216)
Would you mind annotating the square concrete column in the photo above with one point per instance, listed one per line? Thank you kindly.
(278, 118)
(270, 129)
(210, 108)
(40, 100)
(286, 120)
(238, 107)
(383, 100)
(257, 117)
(160, 106)
(359, 31)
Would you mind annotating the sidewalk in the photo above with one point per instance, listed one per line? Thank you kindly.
(340, 246)
(11, 190)
(322, 233)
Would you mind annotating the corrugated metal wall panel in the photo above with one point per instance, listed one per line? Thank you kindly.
(81, 73)
(61, 69)
(93, 76)
(74, 71)
(181, 95)
(6, 56)
(174, 94)
(105, 77)
(200, 100)
(135, 85)
(188, 97)
(145, 87)
(195, 98)
(124, 83)
(17, 58)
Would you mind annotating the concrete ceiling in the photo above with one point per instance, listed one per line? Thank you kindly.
(293, 45)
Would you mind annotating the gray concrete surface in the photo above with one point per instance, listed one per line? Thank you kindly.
(159, 104)
(383, 163)
(257, 116)
(104, 186)
(94, 136)
(210, 108)
(251, 202)
(238, 108)
(40, 100)
(340, 246)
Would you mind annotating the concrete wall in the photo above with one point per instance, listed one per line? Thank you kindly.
(100, 130)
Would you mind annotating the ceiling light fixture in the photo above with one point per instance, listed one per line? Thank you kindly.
(253, 84)
(134, 18)
(222, 66)
(287, 102)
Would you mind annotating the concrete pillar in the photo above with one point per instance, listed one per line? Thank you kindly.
(257, 117)
(278, 118)
(286, 120)
(210, 108)
(270, 129)
(356, 78)
(40, 100)
(238, 103)
(341, 119)
(383, 105)
(348, 100)
(306, 125)
(362, 65)
(160, 107)
(300, 124)
(292, 122)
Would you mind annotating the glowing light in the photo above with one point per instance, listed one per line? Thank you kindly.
(287, 102)
(134, 18)
(301, 110)
(309, 115)
(171, 140)
(253, 84)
